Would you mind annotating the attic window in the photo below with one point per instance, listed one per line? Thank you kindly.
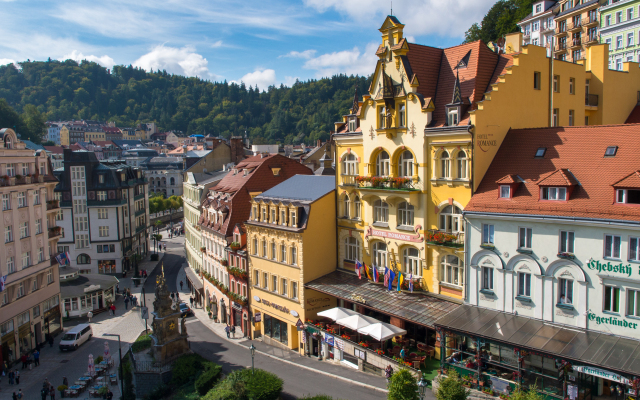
(553, 193)
(276, 171)
(352, 124)
(628, 196)
(505, 191)
(540, 152)
(453, 117)
(245, 172)
(611, 151)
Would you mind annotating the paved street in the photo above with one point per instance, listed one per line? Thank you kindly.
(54, 365)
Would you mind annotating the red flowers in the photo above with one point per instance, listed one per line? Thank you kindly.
(440, 237)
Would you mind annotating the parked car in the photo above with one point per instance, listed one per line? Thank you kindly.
(185, 310)
(76, 336)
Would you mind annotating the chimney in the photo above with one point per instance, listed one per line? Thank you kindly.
(237, 149)
(319, 143)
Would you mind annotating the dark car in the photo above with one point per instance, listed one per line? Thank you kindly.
(185, 310)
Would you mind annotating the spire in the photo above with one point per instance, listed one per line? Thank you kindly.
(356, 105)
(326, 162)
(457, 94)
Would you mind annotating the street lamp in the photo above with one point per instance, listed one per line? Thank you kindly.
(253, 353)
(120, 352)
(422, 387)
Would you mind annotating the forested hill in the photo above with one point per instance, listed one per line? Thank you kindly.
(499, 21)
(68, 90)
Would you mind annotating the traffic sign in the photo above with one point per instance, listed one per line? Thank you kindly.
(144, 312)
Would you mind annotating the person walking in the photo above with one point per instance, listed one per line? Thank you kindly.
(52, 393)
(109, 395)
(180, 285)
(227, 331)
(23, 359)
(20, 394)
(233, 331)
(165, 247)
(50, 341)
(65, 381)
(17, 377)
(36, 357)
(12, 377)
(172, 295)
(402, 354)
(89, 315)
(388, 372)
(14, 396)
(117, 288)
(191, 301)
(126, 303)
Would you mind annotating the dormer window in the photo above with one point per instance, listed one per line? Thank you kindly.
(352, 124)
(628, 196)
(264, 215)
(540, 152)
(505, 192)
(273, 216)
(538, 8)
(553, 193)
(283, 217)
(382, 117)
(293, 219)
(611, 151)
(453, 117)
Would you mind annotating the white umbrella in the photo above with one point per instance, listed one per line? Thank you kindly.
(381, 331)
(337, 313)
(356, 321)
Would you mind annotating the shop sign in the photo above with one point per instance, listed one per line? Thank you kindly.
(257, 317)
(499, 385)
(612, 321)
(316, 301)
(276, 306)
(601, 373)
(608, 267)
(329, 339)
(299, 325)
(395, 235)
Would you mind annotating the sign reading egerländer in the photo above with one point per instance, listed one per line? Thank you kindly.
(601, 373)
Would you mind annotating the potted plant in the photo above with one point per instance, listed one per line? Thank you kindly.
(103, 391)
(61, 389)
(224, 262)
(203, 249)
(209, 312)
(234, 246)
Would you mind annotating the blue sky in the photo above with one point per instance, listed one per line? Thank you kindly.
(258, 42)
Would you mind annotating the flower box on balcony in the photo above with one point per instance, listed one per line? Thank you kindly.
(488, 246)
(234, 246)
(566, 255)
(224, 262)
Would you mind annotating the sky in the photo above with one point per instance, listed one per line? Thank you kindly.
(261, 43)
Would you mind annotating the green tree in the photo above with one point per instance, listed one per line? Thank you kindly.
(526, 394)
(403, 386)
(450, 388)
(500, 20)
(34, 123)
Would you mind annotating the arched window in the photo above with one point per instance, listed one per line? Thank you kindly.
(445, 164)
(451, 220)
(350, 165)
(357, 208)
(345, 206)
(172, 181)
(405, 214)
(402, 115)
(382, 164)
(451, 270)
(406, 164)
(351, 246)
(380, 255)
(462, 164)
(411, 261)
(83, 259)
(382, 115)
(380, 211)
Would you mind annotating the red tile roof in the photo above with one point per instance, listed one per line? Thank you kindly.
(574, 155)
(54, 149)
(507, 179)
(425, 64)
(634, 117)
(103, 143)
(109, 129)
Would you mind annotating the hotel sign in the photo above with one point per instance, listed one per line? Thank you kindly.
(601, 373)
(395, 235)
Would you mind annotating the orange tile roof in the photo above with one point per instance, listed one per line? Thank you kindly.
(574, 155)
(507, 179)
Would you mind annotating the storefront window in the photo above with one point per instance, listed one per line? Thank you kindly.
(106, 266)
(276, 329)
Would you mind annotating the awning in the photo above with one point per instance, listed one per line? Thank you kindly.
(195, 280)
(357, 321)
(381, 331)
(587, 347)
(337, 313)
(422, 309)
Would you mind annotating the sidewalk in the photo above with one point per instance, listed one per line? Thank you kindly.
(337, 371)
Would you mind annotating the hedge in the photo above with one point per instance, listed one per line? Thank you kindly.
(208, 378)
(142, 343)
(244, 385)
(186, 368)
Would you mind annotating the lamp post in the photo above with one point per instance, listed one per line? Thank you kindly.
(253, 353)
(422, 387)
(120, 353)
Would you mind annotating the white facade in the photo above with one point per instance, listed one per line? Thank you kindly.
(569, 272)
(538, 27)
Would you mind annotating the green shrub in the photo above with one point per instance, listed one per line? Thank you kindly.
(262, 385)
(403, 386)
(159, 393)
(154, 257)
(142, 343)
(98, 360)
(208, 378)
(450, 388)
(318, 397)
(186, 368)
(231, 388)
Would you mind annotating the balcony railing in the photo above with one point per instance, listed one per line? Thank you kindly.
(591, 100)
(442, 238)
(385, 183)
(560, 30)
(562, 46)
(53, 205)
(576, 42)
(593, 38)
(348, 180)
(589, 21)
(54, 232)
(573, 25)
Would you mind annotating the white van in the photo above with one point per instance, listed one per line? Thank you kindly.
(75, 336)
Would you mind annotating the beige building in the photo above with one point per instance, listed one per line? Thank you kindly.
(31, 290)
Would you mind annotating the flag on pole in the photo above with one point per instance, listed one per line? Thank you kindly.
(375, 274)
(63, 259)
(411, 282)
(358, 266)
(386, 276)
(367, 270)
(400, 280)
(391, 276)
(3, 279)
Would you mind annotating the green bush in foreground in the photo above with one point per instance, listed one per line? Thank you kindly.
(208, 378)
(245, 385)
(403, 386)
(142, 343)
(186, 369)
(450, 388)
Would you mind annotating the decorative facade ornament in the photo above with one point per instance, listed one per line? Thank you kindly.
(372, 133)
(505, 254)
(412, 131)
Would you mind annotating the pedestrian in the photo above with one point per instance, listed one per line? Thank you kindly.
(117, 288)
(36, 357)
(89, 315)
(180, 285)
(14, 396)
(227, 331)
(19, 393)
(388, 372)
(109, 395)
(191, 301)
(52, 393)
(43, 393)
(23, 359)
(17, 377)
(233, 331)
(30, 361)
(172, 295)
(135, 301)
(126, 303)
(12, 377)
(165, 247)
(65, 381)
(402, 353)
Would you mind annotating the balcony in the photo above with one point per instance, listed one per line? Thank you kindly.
(592, 39)
(385, 183)
(348, 180)
(591, 21)
(560, 31)
(140, 212)
(574, 25)
(54, 232)
(140, 228)
(591, 100)
(526, 34)
(560, 47)
(447, 239)
(53, 205)
(575, 43)
(139, 196)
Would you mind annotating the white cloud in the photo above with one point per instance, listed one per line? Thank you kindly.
(5, 61)
(446, 18)
(180, 61)
(307, 54)
(216, 44)
(263, 78)
(350, 62)
(105, 60)
(290, 80)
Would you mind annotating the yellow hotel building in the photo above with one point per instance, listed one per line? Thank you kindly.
(291, 241)
(411, 152)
